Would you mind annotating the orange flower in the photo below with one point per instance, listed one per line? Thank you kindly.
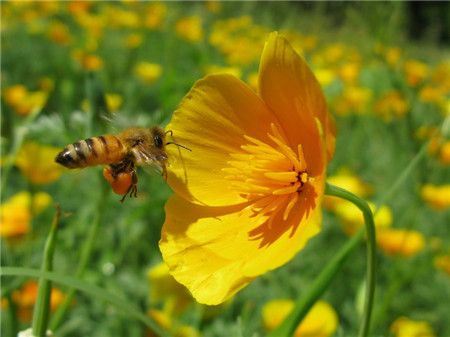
(26, 297)
(416, 72)
(248, 197)
(437, 197)
(400, 242)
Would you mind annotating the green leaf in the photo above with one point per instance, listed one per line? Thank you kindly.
(87, 288)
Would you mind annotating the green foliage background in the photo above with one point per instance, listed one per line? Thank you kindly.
(126, 242)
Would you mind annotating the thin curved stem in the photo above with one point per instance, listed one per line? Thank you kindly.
(371, 251)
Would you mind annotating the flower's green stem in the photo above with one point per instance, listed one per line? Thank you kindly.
(371, 251)
(322, 282)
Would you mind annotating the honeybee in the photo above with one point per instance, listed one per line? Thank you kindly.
(121, 153)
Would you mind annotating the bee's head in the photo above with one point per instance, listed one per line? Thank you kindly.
(159, 137)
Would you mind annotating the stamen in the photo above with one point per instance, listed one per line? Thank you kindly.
(271, 176)
(284, 177)
(288, 190)
(294, 198)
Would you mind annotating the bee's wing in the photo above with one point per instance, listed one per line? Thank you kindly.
(146, 155)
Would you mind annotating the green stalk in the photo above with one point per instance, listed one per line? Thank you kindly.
(41, 310)
(371, 251)
(322, 282)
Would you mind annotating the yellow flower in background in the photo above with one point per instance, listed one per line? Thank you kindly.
(37, 163)
(148, 72)
(416, 72)
(354, 99)
(441, 76)
(400, 242)
(133, 40)
(24, 102)
(325, 76)
(79, 7)
(321, 320)
(25, 299)
(437, 197)
(393, 56)
(405, 327)
(92, 62)
(214, 69)
(113, 101)
(118, 18)
(190, 28)
(248, 196)
(213, 6)
(154, 14)
(17, 212)
(46, 84)
(352, 219)
(165, 322)
(239, 39)
(445, 153)
(442, 262)
(392, 105)
(349, 72)
(59, 33)
(348, 180)
(93, 23)
(14, 94)
(164, 288)
(432, 94)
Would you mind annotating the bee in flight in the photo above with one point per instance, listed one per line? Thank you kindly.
(121, 153)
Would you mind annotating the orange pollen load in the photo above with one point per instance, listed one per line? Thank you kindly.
(272, 176)
(120, 183)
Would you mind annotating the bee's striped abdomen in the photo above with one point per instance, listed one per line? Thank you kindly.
(103, 150)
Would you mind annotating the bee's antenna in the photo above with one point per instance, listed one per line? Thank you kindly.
(184, 147)
(171, 133)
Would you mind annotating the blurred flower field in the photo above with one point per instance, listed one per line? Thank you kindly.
(77, 69)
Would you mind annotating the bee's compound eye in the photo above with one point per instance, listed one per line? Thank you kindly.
(158, 141)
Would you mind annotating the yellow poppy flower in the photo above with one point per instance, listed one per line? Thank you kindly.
(190, 28)
(321, 320)
(16, 213)
(164, 288)
(442, 262)
(148, 72)
(405, 327)
(248, 197)
(37, 163)
(437, 197)
(400, 242)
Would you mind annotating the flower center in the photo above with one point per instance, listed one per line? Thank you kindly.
(270, 175)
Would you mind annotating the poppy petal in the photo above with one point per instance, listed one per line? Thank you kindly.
(288, 86)
(216, 251)
(212, 120)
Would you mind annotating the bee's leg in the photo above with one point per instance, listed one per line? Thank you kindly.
(133, 187)
(132, 190)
